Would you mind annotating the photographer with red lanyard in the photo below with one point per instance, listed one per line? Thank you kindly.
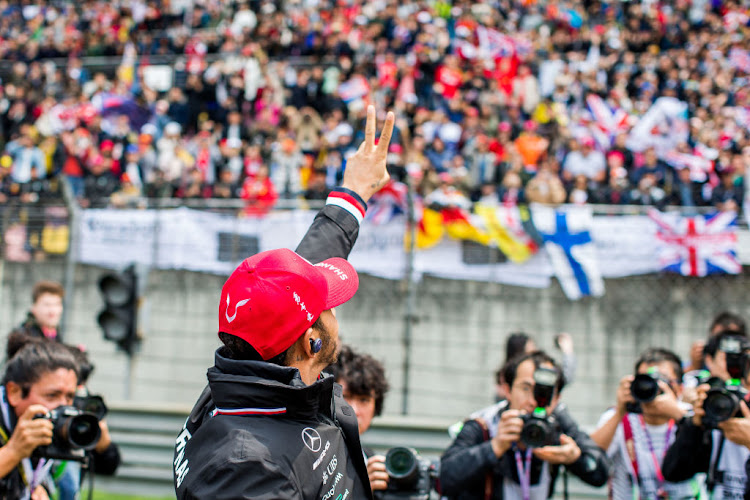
(637, 434)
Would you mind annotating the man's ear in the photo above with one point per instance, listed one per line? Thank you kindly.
(14, 393)
(305, 342)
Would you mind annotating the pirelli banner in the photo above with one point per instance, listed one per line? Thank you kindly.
(499, 244)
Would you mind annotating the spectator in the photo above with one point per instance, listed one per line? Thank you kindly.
(43, 318)
(587, 162)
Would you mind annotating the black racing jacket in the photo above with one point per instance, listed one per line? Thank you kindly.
(465, 464)
(332, 234)
(261, 433)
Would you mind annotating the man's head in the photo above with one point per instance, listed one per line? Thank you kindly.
(668, 367)
(520, 383)
(41, 372)
(276, 301)
(364, 385)
(727, 321)
(47, 303)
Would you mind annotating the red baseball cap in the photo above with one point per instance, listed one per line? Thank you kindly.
(273, 297)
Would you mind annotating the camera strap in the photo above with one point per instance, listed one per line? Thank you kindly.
(524, 473)
(488, 479)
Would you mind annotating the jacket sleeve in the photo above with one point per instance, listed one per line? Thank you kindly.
(107, 462)
(333, 232)
(464, 465)
(689, 454)
(593, 466)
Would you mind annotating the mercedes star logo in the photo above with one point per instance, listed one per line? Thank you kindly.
(311, 438)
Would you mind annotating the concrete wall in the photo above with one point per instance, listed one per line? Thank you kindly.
(458, 336)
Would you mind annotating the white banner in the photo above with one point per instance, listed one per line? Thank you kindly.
(208, 242)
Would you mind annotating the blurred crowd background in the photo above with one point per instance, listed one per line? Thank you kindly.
(640, 103)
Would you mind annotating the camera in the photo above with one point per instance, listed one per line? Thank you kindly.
(72, 430)
(409, 475)
(91, 404)
(644, 388)
(723, 398)
(540, 428)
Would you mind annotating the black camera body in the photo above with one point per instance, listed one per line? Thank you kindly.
(644, 388)
(91, 404)
(73, 431)
(722, 402)
(540, 428)
(410, 477)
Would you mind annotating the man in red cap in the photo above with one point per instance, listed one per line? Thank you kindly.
(268, 426)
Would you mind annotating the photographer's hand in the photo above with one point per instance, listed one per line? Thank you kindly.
(566, 453)
(623, 395)
(366, 169)
(737, 430)
(508, 432)
(39, 494)
(377, 473)
(105, 440)
(665, 404)
(30, 432)
(698, 411)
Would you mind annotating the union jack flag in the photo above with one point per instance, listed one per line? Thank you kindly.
(699, 245)
(740, 59)
(387, 203)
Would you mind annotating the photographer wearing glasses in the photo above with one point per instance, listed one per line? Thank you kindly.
(638, 430)
(514, 449)
(716, 440)
(40, 377)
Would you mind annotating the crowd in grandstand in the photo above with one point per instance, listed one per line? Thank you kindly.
(505, 101)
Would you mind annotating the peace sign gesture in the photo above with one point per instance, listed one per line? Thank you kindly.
(366, 169)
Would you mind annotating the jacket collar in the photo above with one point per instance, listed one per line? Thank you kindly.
(237, 384)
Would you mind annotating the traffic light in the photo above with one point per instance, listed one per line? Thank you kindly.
(119, 318)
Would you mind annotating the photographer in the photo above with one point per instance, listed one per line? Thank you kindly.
(43, 318)
(40, 377)
(709, 442)
(638, 430)
(363, 383)
(105, 456)
(489, 459)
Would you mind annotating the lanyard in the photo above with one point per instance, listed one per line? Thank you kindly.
(524, 474)
(657, 463)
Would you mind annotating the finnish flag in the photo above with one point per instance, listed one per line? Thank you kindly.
(571, 250)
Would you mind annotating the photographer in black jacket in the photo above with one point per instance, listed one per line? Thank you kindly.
(722, 450)
(40, 377)
(488, 459)
(268, 426)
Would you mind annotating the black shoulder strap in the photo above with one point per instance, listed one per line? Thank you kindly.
(488, 479)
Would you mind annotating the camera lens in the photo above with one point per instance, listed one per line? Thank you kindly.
(534, 434)
(83, 431)
(644, 388)
(401, 463)
(720, 405)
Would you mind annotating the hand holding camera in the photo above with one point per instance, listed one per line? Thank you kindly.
(508, 432)
(665, 404)
(30, 432)
(377, 472)
(565, 453)
(737, 430)
(624, 397)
